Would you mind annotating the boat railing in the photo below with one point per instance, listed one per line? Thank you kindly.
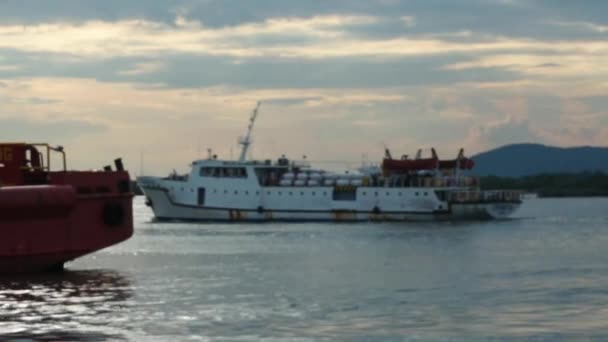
(300, 164)
(427, 182)
(41, 166)
(452, 181)
(486, 196)
(178, 178)
(469, 182)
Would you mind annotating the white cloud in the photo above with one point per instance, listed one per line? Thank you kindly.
(139, 37)
(10, 67)
(143, 68)
(168, 122)
(408, 20)
(592, 27)
(325, 36)
(559, 65)
(326, 124)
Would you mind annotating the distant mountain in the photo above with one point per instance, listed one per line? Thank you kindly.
(532, 159)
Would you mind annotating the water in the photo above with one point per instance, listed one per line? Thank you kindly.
(541, 276)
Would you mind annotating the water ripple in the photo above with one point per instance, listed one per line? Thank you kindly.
(541, 276)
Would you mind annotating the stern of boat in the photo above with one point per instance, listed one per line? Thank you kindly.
(493, 204)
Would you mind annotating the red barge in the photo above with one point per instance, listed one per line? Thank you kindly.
(48, 218)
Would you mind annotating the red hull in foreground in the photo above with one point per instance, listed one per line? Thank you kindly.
(50, 217)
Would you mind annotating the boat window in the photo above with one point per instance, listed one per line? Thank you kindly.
(224, 172)
(210, 172)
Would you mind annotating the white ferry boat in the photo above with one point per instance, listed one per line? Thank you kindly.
(265, 190)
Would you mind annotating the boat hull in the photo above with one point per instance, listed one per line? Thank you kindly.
(165, 209)
(44, 227)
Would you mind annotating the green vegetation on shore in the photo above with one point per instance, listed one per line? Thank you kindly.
(553, 185)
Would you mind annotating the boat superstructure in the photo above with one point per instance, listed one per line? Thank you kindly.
(265, 190)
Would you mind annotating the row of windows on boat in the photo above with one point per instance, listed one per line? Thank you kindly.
(302, 193)
(223, 172)
(268, 177)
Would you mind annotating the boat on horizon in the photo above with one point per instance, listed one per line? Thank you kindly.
(400, 189)
(49, 217)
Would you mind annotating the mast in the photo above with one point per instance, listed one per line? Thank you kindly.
(141, 162)
(246, 140)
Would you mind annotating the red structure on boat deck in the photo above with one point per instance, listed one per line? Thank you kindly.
(50, 217)
(406, 165)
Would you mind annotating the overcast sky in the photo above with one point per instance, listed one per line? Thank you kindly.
(338, 79)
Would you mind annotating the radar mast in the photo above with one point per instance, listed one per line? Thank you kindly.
(246, 140)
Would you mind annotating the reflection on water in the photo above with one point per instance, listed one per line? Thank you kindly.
(56, 306)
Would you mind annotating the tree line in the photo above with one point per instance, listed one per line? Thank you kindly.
(553, 184)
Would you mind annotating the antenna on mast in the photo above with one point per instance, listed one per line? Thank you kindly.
(246, 140)
(141, 162)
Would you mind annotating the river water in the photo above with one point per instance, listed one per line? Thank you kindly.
(542, 275)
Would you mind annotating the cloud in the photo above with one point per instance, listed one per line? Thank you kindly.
(37, 101)
(337, 78)
(143, 68)
(10, 67)
(507, 131)
(322, 122)
(328, 37)
(549, 65)
(204, 71)
(20, 129)
(137, 37)
(582, 25)
(289, 101)
(565, 64)
(430, 16)
(408, 20)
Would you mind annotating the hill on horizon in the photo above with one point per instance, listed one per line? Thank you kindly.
(528, 159)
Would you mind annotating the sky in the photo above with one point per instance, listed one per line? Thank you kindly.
(159, 82)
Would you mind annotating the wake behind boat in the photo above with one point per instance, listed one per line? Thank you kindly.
(265, 190)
